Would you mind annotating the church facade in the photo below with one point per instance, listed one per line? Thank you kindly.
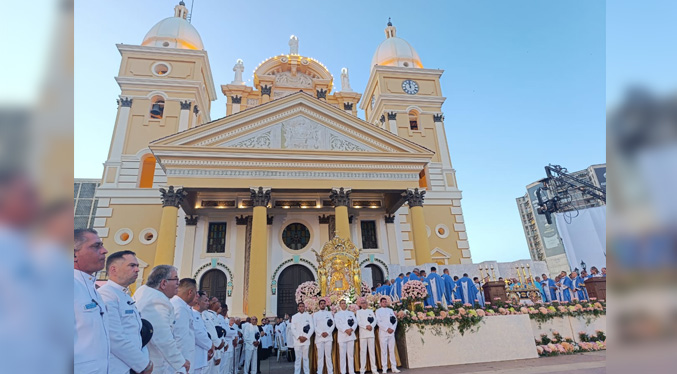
(240, 202)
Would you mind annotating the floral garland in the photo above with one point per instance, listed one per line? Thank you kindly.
(562, 346)
(543, 312)
(307, 290)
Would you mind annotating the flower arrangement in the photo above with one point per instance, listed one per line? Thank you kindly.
(561, 346)
(307, 290)
(414, 290)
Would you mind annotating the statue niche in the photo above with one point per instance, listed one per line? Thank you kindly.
(338, 267)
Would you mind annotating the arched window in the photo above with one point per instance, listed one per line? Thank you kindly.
(413, 120)
(157, 107)
(147, 172)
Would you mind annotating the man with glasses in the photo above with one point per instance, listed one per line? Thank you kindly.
(91, 347)
(152, 300)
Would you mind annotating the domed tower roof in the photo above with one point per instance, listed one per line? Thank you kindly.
(174, 32)
(396, 51)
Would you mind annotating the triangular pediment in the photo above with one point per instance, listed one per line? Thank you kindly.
(298, 122)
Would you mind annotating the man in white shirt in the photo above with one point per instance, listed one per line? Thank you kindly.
(152, 299)
(184, 330)
(209, 316)
(231, 340)
(251, 336)
(387, 324)
(346, 323)
(204, 349)
(91, 344)
(324, 327)
(267, 339)
(302, 328)
(366, 320)
(289, 338)
(124, 320)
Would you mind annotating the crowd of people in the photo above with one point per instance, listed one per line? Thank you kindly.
(169, 326)
(445, 289)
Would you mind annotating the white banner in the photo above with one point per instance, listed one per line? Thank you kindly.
(584, 236)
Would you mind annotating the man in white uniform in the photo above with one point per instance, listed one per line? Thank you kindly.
(184, 330)
(209, 316)
(91, 344)
(302, 328)
(251, 337)
(204, 349)
(346, 323)
(231, 340)
(152, 299)
(387, 324)
(324, 327)
(124, 319)
(366, 320)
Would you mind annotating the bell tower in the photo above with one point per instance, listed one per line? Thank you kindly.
(166, 87)
(406, 99)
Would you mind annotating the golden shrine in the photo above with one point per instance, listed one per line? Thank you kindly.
(338, 267)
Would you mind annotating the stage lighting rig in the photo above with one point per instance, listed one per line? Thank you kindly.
(560, 185)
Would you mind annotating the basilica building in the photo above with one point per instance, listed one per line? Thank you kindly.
(240, 202)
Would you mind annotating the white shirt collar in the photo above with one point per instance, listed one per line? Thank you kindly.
(118, 287)
(79, 274)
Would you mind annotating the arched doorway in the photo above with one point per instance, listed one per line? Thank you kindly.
(215, 283)
(289, 280)
(376, 275)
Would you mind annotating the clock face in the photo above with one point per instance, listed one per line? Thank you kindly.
(410, 87)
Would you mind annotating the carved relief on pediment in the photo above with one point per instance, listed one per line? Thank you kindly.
(299, 80)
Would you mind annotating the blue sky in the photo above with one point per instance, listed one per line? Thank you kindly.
(524, 81)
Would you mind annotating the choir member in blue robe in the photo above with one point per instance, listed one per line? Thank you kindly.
(385, 290)
(436, 283)
(406, 278)
(379, 287)
(467, 290)
(397, 289)
(456, 292)
(549, 289)
(414, 275)
(579, 283)
(480, 291)
(449, 286)
(567, 287)
(424, 279)
(537, 283)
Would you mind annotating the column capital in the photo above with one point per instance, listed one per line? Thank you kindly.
(191, 220)
(236, 99)
(347, 106)
(125, 102)
(260, 197)
(265, 89)
(390, 218)
(241, 220)
(392, 116)
(415, 197)
(196, 110)
(171, 197)
(382, 119)
(324, 219)
(185, 105)
(340, 196)
(438, 117)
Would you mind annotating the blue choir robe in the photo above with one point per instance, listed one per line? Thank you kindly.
(428, 300)
(540, 290)
(582, 292)
(467, 290)
(449, 285)
(414, 277)
(568, 285)
(456, 293)
(548, 290)
(379, 290)
(480, 294)
(405, 280)
(435, 289)
(397, 288)
(385, 290)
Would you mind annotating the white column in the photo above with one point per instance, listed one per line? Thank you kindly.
(186, 269)
(120, 130)
(442, 142)
(184, 116)
(238, 281)
(236, 108)
(392, 122)
(391, 233)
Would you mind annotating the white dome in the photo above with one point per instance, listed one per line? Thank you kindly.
(173, 32)
(395, 51)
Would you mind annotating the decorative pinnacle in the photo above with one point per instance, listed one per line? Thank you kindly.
(389, 23)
